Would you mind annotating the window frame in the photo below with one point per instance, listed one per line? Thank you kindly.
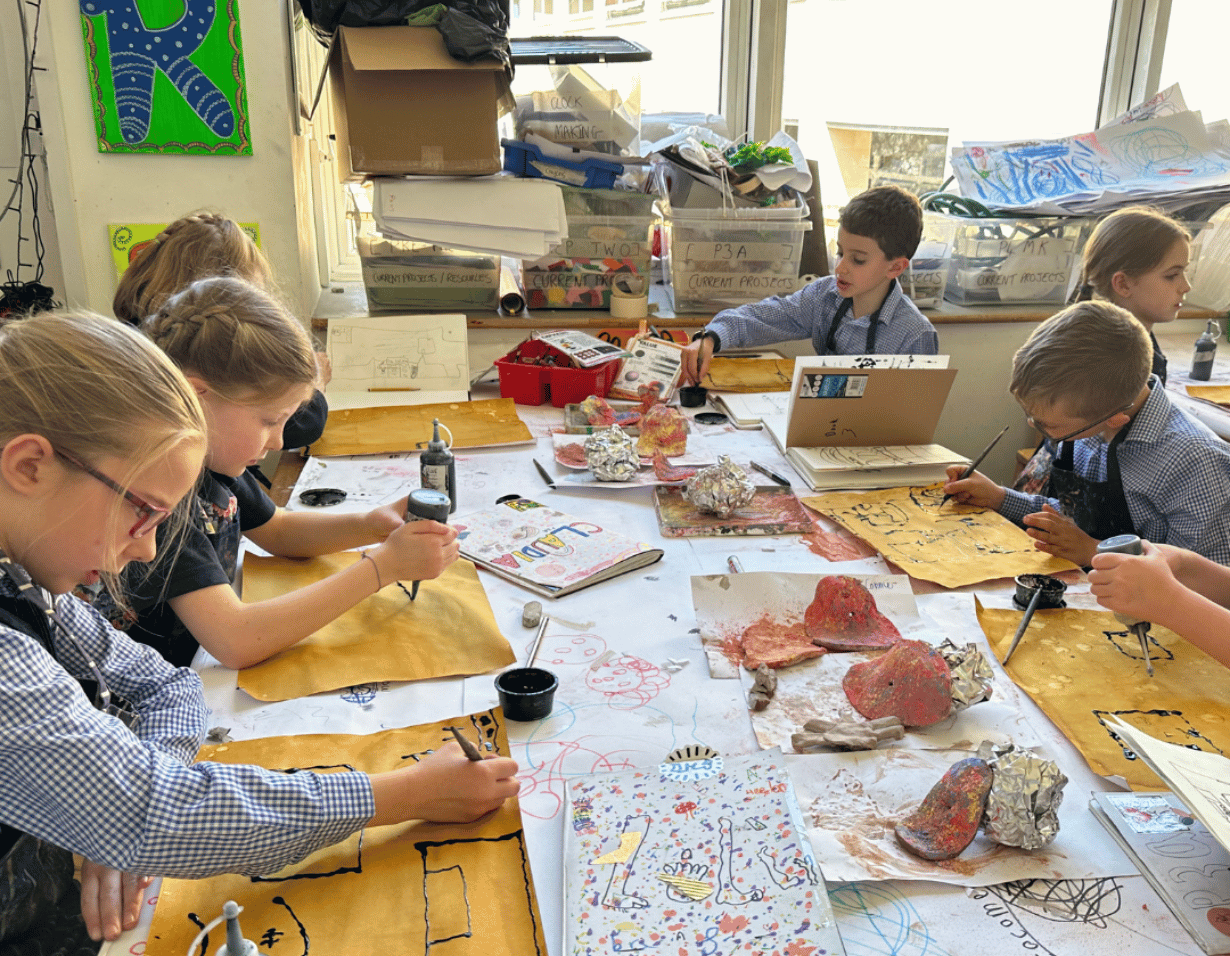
(752, 76)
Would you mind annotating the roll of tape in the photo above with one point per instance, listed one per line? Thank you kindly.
(625, 305)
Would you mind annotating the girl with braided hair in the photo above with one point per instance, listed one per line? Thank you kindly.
(195, 247)
(252, 366)
(101, 436)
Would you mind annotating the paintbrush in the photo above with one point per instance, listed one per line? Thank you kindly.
(468, 747)
(977, 461)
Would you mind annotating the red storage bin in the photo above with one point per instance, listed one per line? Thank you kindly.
(562, 384)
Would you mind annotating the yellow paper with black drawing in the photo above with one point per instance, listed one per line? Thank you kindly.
(401, 428)
(447, 630)
(395, 889)
(1080, 666)
(952, 545)
(749, 375)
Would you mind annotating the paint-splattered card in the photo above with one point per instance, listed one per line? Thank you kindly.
(703, 856)
(950, 544)
(415, 887)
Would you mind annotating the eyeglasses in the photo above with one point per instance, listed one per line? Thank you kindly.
(149, 516)
(1083, 428)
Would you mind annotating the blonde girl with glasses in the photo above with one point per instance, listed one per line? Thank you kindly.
(101, 438)
(251, 366)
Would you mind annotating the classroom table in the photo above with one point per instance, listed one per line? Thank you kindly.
(669, 700)
(1179, 347)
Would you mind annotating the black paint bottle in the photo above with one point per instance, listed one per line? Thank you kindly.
(437, 467)
(1206, 348)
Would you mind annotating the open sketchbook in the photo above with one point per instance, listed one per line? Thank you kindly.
(869, 425)
(547, 551)
(1185, 860)
(1179, 857)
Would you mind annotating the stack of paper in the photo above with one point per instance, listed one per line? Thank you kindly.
(1160, 153)
(502, 215)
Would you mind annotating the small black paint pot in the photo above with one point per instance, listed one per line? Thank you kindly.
(693, 396)
(1052, 591)
(526, 693)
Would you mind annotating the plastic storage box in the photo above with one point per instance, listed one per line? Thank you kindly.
(718, 258)
(925, 279)
(1015, 260)
(531, 383)
(527, 159)
(609, 234)
(412, 275)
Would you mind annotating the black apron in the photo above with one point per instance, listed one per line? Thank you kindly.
(1099, 508)
(830, 341)
(40, 902)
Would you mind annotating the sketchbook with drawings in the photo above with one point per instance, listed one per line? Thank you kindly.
(869, 424)
(1178, 840)
(547, 551)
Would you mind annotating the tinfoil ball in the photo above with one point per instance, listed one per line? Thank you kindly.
(611, 455)
(722, 488)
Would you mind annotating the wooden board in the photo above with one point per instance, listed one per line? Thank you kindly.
(773, 510)
(401, 428)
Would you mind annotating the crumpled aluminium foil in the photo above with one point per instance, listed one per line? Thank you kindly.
(971, 674)
(720, 488)
(611, 455)
(1023, 805)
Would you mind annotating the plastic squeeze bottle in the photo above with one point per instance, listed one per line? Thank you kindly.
(1206, 348)
(437, 467)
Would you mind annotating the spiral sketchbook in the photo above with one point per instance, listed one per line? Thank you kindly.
(548, 551)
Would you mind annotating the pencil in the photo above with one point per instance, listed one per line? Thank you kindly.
(977, 461)
(392, 388)
(470, 750)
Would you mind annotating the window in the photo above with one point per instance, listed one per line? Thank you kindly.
(685, 37)
(1193, 55)
(858, 72)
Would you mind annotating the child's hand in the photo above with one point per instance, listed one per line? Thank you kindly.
(696, 358)
(110, 900)
(416, 551)
(386, 519)
(977, 489)
(1058, 535)
(1139, 586)
(448, 787)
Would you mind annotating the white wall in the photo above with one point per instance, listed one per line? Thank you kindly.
(12, 105)
(90, 190)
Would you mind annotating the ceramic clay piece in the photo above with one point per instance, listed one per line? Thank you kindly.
(764, 686)
(663, 429)
(722, 488)
(843, 617)
(665, 471)
(598, 411)
(910, 681)
(947, 820)
(849, 733)
(777, 645)
(611, 455)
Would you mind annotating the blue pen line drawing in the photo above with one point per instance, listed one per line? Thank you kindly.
(878, 920)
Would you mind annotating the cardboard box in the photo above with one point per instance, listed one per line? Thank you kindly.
(403, 105)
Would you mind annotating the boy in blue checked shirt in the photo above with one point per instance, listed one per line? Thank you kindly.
(1128, 461)
(859, 310)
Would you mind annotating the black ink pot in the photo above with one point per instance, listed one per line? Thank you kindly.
(526, 693)
(1052, 591)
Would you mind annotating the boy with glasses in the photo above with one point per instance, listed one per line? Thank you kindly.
(1128, 461)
